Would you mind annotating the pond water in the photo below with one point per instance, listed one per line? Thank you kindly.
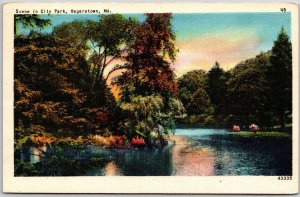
(197, 152)
(202, 152)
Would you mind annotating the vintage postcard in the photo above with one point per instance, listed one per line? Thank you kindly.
(150, 98)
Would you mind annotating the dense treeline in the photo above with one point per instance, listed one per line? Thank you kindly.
(257, 90)
(62, 92)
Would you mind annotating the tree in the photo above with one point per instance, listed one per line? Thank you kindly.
(148, 86)
(148, 60)
(216, 88)
(192, 92)
(103, 41)
(74, 33)
(29, 20)
(108, 44)
(199, 103)
(280, 77)
(50, 82)
(146, 115)
(248, 92)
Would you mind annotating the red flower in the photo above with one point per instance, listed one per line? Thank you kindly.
(138, 141)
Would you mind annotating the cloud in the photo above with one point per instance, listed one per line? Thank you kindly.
(228, 48)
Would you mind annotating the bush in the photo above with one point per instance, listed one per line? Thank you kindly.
(144, 115)
(209, 120)
(236, 128)
(253, 128)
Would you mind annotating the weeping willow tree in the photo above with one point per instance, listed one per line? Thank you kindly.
(151, 117)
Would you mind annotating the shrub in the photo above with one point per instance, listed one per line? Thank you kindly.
(117, 141)
(253, 128)
(209, 120)
(236, 128)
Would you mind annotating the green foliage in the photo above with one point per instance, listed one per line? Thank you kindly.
(144, 115)
(25, 169)
(102, 42)
(217, 88)
(189, 83)
(73, 33)
(260, 88)
(192, 92)
(268, 134)
(29, 20)
(248, 90)
(209, 120)
(110, 32)
(280, 77)
(107, 40)
(199, 103)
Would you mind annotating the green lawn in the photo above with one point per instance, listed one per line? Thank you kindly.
(261, 134)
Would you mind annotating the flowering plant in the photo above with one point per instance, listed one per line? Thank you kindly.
(116, 141)
(253, 128)
(138, 141)
(236, 128)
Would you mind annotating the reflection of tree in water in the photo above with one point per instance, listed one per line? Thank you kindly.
(152, 162)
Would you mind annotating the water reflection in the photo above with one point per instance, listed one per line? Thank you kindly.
(189, 159)
(111, 169)
(147, 162)
(248, 156)
(205, 152)
(196, 152)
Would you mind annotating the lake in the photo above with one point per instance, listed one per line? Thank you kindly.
(193, 152)
(202, 152)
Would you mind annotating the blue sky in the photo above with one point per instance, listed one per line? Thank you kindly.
(205, 38)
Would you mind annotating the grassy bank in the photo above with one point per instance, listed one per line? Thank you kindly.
(275, 134)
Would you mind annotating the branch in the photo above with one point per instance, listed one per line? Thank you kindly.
(103, 66)
(117, 67)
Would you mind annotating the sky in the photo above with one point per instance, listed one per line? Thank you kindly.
(203, 39)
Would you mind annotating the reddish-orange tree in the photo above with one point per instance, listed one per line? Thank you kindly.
(150, 54)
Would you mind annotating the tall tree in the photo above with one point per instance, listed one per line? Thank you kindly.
(280, 77)
(148, 85)
(217, 88)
